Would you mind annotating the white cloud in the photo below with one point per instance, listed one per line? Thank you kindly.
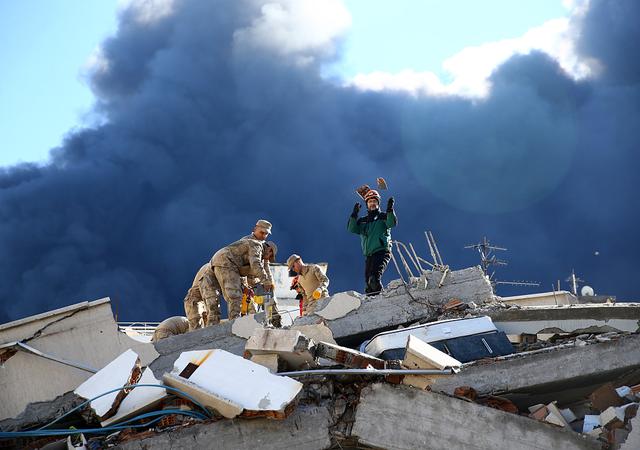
(147, 11)
(302, 28)
(469, 70)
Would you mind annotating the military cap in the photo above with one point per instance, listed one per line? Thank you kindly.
(264, 224)
(293, 258)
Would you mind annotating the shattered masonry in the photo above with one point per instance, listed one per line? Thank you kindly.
(565, 375)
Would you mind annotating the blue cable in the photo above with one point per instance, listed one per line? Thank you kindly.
(158, 414)
(196, 402)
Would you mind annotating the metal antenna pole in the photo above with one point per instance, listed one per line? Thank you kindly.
(433, 255)
(415, 255)
(435, 247)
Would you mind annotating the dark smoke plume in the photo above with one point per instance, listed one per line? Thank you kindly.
(206, 130)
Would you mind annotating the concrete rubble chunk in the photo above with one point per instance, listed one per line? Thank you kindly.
(245, 326)
(420, 355)
(555, 416)
(397, 307)
(233, 385)
(139, 400)
(123, 370)
(347, 357)
(566, 319)
(610, 416)
(317, 333)
(306, 428)
(339, 305)
(268, 360)
(564, 367)
(398, 417)
(84, 333)
(290, 345)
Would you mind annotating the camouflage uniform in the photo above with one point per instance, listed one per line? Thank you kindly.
(206, 289)
(310, 279)
(170, 327)
(227, 265)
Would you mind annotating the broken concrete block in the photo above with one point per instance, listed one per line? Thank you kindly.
(568, 415)
(554, 419)
(268, 360)
(139, 400)
(232, 385)
(604, 397)
(123, 370)
(339, 305)
(317, 333)
(611, 416)
(555, 416)
(347, 357)
(292, 347)
(245, 326)
(224, 407)
(420, 355)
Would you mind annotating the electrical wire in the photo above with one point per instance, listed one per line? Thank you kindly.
(128, 386)
(58, 432)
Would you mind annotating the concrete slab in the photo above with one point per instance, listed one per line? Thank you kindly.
(290, 345)
(633, 440)
(318, 332)
(339, 305)
(84, 332)
(420, 355)
(116, 374)
(227, 382)
(245, 326)
(397, 307)
(217, 336)
(306, 428)
(268, 360)
(598, 318)
(398, 417)
(552, 372)
(139, 400)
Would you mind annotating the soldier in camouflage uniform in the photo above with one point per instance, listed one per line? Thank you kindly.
(227, 265)
(170, 327)
(205, 289)
(312, 280)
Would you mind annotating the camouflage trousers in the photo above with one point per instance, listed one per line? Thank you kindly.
(231, 284)
(204, 295)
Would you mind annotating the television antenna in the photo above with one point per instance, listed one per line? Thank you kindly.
(488, 259)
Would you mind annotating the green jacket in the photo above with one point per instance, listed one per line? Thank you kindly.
(374, 231)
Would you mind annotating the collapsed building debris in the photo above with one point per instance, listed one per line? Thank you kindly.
(84, 333)
(539, 392)
(232, 385)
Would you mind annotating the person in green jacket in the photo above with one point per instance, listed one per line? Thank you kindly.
(375, 237)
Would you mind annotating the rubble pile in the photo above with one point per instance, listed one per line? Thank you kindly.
(437, 362)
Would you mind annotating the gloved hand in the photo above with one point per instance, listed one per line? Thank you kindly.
(356, 210)
(390, 203)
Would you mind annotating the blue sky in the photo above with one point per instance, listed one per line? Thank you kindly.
(45, 44)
